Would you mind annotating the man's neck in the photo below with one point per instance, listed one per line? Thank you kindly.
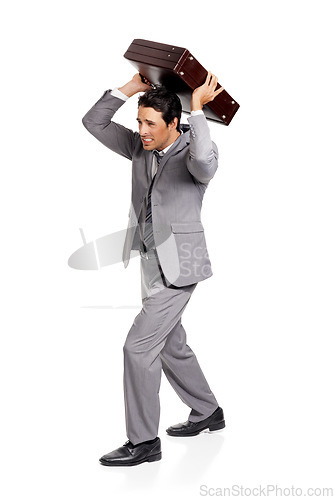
(177, 135)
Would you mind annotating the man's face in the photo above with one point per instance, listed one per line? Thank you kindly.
(153, 130)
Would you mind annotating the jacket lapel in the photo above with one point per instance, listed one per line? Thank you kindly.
(148, 166)
(181, 142)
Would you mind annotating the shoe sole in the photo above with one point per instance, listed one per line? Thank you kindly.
(209, 428)
(152, 458)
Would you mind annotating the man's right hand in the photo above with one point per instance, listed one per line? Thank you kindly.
(135, 85)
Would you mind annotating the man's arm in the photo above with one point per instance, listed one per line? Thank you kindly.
(98, 122)
(203, 153)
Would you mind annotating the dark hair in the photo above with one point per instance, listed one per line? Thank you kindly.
(161, 99)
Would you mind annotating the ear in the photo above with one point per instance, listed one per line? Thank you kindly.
(173, 124)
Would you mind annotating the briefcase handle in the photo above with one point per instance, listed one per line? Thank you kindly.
(145, 80)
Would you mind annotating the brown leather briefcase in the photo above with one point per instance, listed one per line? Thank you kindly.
(178, 70)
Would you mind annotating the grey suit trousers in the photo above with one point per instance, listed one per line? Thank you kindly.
(157, 341)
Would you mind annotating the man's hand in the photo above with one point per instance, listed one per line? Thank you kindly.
(206, 93)
(135, 85)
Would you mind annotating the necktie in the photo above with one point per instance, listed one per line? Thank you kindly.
(148, 230)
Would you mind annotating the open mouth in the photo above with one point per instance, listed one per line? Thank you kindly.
(146, 140)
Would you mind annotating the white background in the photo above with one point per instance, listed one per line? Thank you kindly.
(261, 327)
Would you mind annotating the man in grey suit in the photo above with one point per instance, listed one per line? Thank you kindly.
(172, 165)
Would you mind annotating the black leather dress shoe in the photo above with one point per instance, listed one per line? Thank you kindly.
(129, 454)
(213, 423)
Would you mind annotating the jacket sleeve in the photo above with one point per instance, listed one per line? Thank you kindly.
(202, 162)
(98, 121)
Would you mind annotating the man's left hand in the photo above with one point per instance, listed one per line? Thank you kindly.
(205, 93)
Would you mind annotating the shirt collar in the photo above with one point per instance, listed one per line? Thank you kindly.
(164, 151)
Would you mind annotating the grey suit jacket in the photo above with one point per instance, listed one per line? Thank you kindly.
(180, 183)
